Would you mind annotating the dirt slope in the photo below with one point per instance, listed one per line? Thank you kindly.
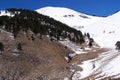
(39, 59)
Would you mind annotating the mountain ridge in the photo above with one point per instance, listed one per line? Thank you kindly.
(68, 16)
(94, 25)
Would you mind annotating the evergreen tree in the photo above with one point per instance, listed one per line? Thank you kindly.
(33, 38)
(85, 34)
(1, 48)
(19, 47)
(88, 35)
(90, 44)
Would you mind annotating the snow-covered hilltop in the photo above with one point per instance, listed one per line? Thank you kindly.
(69, 16)
(104, 30)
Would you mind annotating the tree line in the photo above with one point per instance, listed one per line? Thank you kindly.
(24, 19)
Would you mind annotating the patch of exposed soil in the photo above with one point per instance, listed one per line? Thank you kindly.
(87, 56)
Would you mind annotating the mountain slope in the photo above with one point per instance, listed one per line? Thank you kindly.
(30, 49)
(100, 28)
(68, 16)
(105, 32)
(38, 58)
(40, 35)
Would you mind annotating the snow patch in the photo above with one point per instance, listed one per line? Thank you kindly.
(107, 64)
(4, 13)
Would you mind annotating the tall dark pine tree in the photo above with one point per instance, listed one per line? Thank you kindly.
(1, 48)
(19, 47)
(90, 44)
(88, 35)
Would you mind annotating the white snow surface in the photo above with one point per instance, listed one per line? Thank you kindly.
(105, 32)
(68, 16)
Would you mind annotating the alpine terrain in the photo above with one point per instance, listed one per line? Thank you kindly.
(104, 30)
(55, 43)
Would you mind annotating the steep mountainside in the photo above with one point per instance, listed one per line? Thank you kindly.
(30, 48)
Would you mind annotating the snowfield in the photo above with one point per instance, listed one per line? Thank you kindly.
(68, 16)
(105, 32)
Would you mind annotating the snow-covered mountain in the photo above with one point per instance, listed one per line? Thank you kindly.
(68, 16)
(104, 30)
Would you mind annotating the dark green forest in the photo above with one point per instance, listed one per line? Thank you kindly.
(24, 20)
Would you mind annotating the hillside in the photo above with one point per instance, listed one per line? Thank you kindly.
(43, 45)
(39, 24)
(104, 31)
(30, 47)
(37, 59)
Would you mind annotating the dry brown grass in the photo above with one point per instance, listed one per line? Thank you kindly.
(87, 56)
(40, 58)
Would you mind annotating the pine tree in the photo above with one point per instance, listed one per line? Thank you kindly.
(33, 38)
(1, 48)
(90, 44)
(19, 47)
(88, 35)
